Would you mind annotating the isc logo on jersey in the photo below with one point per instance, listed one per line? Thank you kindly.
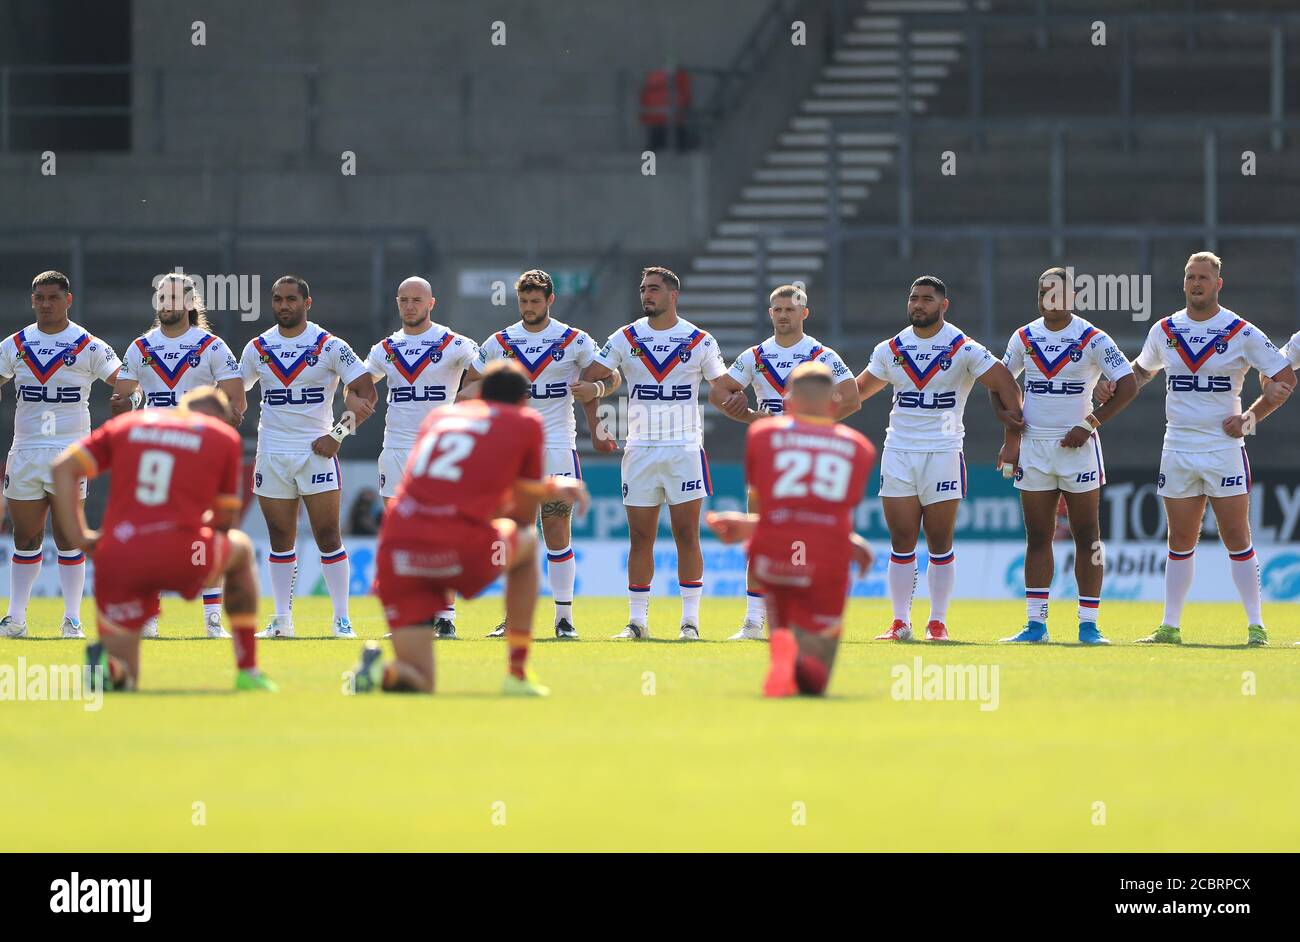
(293, 397)
(417, 394)
(917, 400)
(1200, 383)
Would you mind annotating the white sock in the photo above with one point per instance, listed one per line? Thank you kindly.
(638, 603)
(338, 576)
(940, 575)
(24, 567)
(691, 592)
(1036, 603)
(562, 571)
(211, 603)
(72, 581)
(284, 569)
(1245, 574)
(1179, 571)
(1089, 608)
(755, 608)
(902, 583)
(447, 613)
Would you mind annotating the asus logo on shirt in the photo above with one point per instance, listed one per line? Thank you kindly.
(294, 397)
(1200, 383)
(1046, 387)
(917, 400)
(157, 399)
(772, 406)
(41, 394)
(651, 392)
(548, 391)
(417, 393)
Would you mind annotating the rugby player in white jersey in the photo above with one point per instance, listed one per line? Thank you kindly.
(179, 353)
(767, 367)
(53, 364)
(554, 356)
(423, 363)
(300, 365)
(932, 366)
(1206, 351)
(1292, 353)
(663, 358)
(1059, 451)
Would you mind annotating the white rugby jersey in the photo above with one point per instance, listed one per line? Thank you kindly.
(52, 376)
(768, 366)
(168, 367)
(1292, 350)
(423, 372)
(663, 369)
(299, 376)
(554, 358)
(1061, 368)
(932, 378)
(1205, 363)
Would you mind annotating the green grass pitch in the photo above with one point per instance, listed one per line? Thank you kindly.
(663, 745)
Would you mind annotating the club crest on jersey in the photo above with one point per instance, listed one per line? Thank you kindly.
(1220, 346)
(684, 356)
(1075, 354)
(312, 359)
(945, 363)
(557, 354)
(193, 359)
(435, 356)
(69, 359)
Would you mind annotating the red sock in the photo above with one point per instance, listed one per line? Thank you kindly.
(242, 629)
(518, 642)
(811, 675)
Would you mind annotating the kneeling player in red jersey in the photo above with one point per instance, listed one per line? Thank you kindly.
(442, 535)
(172, 502)
(806, 473)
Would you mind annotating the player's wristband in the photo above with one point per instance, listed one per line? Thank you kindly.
(600, 389)
(340, 432)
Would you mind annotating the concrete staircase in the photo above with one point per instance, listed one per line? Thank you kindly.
(721, 291)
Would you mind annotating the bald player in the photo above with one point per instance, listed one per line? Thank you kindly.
(423, 363)
(806, 473)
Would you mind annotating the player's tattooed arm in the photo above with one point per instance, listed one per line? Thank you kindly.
(728, 397)
(868, 385)
(596, 383)
(123, 390)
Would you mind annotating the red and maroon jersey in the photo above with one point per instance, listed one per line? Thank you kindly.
(466, 460)
(808, 476)
(169, 467)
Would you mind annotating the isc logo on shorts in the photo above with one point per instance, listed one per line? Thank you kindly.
(1085, 478)
(695, 485)
(1235, 481)
(322, 477)
(945, 486)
